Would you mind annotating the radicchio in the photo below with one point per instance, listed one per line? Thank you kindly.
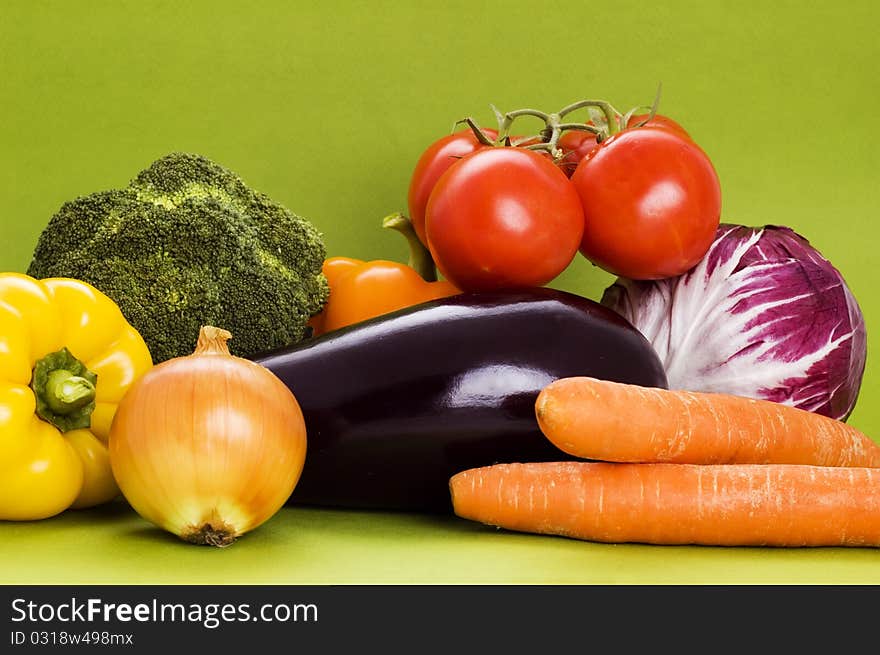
(763, 315)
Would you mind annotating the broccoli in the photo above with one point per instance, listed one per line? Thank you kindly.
(187, 244)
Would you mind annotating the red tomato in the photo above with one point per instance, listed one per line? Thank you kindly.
(503, 217)
(658, 121)
(439, 156)
(577, 144)
(651, 201)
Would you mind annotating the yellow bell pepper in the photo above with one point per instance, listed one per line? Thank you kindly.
(67, 356)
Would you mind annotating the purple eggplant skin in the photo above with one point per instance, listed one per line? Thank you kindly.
(396, 405)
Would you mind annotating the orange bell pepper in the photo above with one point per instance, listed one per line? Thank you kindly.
(365, 289)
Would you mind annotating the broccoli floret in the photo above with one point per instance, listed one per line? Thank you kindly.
(187, 244)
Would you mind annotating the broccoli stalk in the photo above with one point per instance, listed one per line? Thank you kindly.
(186, 244)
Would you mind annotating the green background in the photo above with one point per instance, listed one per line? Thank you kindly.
(327, 106)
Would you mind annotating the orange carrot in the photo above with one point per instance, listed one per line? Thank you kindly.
(610, 421)
(723, 505)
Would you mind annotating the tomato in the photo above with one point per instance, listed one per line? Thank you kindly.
(433, 162)
(651, 201)
(577, 144)
(658, 121)
(503, 217)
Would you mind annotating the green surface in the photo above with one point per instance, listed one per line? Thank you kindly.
(326, 106)
(112, 545)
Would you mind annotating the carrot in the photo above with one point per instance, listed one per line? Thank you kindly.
(723, 505)
(610, 421)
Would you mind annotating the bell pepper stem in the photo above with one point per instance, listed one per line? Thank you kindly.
(64, 391)
(419, 256)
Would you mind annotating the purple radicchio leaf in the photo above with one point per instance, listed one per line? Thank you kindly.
(763, 315)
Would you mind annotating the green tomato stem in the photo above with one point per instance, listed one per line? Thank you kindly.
(476, 129)
(511, 116)
(583, 127)
(611, 114)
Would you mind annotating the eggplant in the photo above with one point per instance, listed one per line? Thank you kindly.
(396, 405)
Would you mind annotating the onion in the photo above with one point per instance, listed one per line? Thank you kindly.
(208, 446)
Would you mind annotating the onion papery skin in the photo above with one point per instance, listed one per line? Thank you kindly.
(208, 446)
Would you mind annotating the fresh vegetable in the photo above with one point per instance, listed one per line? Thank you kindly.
(360, 290)
(763, 315)
(503, 217)
(713, 505)
(187, 243)
(378, 287)
(67, 356)
(397, 404)
(334, 269)
(432, 163)
(577, 144)
(651, 198)
(656, 120)
(208, 446)
(611, 421)
(651, 201)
